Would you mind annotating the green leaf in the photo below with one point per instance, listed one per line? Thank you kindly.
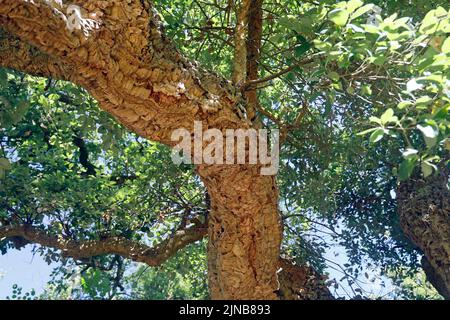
(388, 116)
(366, 132)
(427, 169)
(366, 90)
(321, 45)
(371, 29)
(364, 9)
(408, 153)
(429, 131)
(201, 218)
(406, 168)
(333, 76)
(378, 60)
(432, 20)
(429, 23)
(442, 114)
(377, 135)
(350, 90)
(339, 16)
(302, 49)
(445, 26)
(352, 5)
(3, 78)
(425, 100)
(291, 22)
(375, 119)
(441, 12)
(5, 164)
(446, 46)
(404, 104)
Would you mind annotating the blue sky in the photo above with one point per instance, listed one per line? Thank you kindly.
(24, 269)
(32, 272)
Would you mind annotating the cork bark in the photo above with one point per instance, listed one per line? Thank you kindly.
(424, 209)
(121, 56)
(301, 283)
(21, 235)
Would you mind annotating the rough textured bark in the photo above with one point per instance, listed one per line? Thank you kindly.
(152, 256)
(240, 48)
(24, 57)
(126, 63)
(435, 278)
(137, 75)
(424, 209)
(255, 31)
(301, 283)
(244, 231)
(295, 282)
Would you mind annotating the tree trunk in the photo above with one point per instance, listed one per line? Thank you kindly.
(244, 232)
(424, 209)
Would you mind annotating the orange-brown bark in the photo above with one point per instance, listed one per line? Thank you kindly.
(301, 283)
(152, 256)
(244, 232)
(127, 65)
(255, 31)
(424, 207)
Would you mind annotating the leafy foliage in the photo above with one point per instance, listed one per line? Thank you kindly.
(18, 295)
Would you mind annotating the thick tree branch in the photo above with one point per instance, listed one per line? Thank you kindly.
(153, 256)
(255, 30)
(240, 48)
(296, 282)
(126, 63)
(19, 55)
